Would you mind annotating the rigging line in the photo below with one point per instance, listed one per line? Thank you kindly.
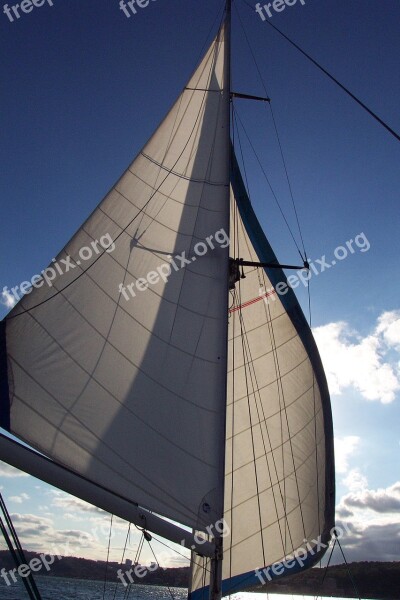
(242, 157)
(283, 496)
(321, 68)
(326, 569)
(123, 556)
(136, 561)
(257, 394)
(157, 563)
(281, 398)
(204, 574)
(234, 211)
(233, 439)
(270, 443)
(235, 208)
(281, 401)
(180, 553)
(28, 310)
(277, 135)
(108, 557)
(251, 424)
(269, 183)
(304, 256)
(349, 570)
(280, 394)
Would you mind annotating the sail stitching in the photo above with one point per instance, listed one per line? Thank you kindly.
(268, 352)
(110, 467)
(169, 197)
(289, 404)
(28, 310)
(233, 404)
(216, 52)
(117, 400)
(284, 409)
(280, 390)
(258, 531)
(93, 378)
(251, 426)
(272, 450)
(286, 372)
(181, 176)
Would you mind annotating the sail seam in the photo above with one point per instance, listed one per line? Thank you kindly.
(286, 372)
(272, 523)
(12, 316)
(288, 404)
(256, 393)
(169, 197)
(279, 346)
(180, 176)
(271, 453)
(110, 467)
(243, 337)
(203, 90)
(287, 439)
(284, 410)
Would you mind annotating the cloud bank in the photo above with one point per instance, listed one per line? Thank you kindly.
(368, 364)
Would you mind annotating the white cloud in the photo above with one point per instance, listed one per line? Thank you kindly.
(70, 503)
(7, 298)
(9, 471)
(40, 534)
(366, 364)
(19, 499)
(344, 447)
(389, 328)
(382, 500)
(355, 481)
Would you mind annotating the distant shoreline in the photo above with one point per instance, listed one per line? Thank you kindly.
(374, 580)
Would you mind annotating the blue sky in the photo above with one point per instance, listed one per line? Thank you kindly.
(84, 89)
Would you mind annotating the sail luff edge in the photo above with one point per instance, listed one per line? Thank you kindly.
(4, 387)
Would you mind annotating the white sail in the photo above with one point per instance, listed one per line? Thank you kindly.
(125, 372)
(279, 480)
(124, 381)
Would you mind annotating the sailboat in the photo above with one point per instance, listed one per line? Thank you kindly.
(153, 379)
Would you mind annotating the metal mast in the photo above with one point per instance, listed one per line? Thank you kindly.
(216, 561)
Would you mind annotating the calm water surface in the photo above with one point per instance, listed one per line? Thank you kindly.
(57, 588)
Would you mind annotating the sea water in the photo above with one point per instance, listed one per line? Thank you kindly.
(60, 588)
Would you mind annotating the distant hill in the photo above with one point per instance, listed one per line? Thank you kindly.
(82, 568)
(374, 580)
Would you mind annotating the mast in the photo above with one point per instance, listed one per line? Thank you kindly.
(215, 590)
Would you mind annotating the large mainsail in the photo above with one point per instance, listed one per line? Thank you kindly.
(279, 474)
(123, 385)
